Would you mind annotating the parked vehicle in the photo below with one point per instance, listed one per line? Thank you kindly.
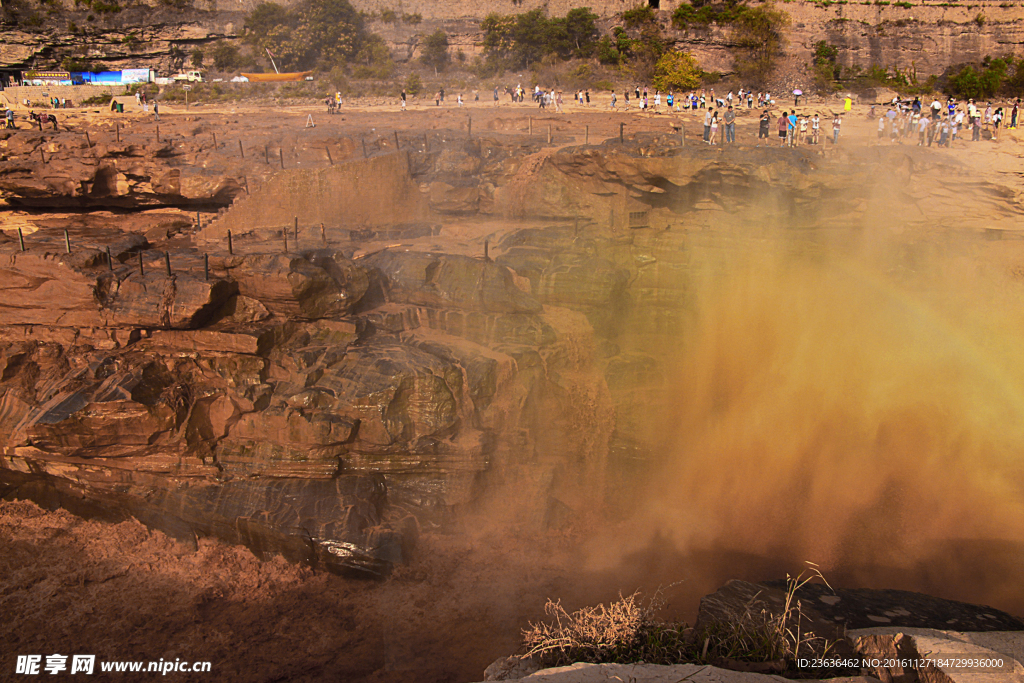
(190, 76)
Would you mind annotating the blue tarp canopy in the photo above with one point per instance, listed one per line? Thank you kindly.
(104, 77)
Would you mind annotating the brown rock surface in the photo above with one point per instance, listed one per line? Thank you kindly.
(326, 403)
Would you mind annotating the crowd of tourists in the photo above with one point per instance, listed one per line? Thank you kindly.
(942, 123)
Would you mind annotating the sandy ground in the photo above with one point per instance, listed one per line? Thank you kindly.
(301, 133)
(383, 115)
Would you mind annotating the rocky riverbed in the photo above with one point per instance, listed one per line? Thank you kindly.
(399, 344)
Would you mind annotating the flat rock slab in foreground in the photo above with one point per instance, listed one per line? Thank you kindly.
(955, 657)
(943, 647)
(655, 673)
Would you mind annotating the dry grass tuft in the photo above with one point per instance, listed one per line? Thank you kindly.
(628, 630)
(623, 631)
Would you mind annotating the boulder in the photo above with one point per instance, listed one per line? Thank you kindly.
(454, 200)
(316, 285)
(568, 279)
(510, 668)
(336, 524)
(857, 608)
(737, 599)
(182, 301)
(78, 290)
(402, 396)
(485, 370)
(38, 289)
(988, 656)
(446, 280)
(648, 673)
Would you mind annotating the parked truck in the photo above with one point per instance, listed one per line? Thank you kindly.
(188, 76)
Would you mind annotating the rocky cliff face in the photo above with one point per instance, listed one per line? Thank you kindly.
(225, 406)
(133, 43)
(295, 400)
(925, 38)
(321, 391)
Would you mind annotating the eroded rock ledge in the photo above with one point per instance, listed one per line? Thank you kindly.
(267, 404)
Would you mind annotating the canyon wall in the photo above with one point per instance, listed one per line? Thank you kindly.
(926, 38)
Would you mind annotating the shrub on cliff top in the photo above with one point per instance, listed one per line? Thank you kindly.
(997, 75)
(704, 13)
(676, 71)
(758, 34)
(638, 16)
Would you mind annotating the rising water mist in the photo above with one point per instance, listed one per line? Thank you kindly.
(856, 408)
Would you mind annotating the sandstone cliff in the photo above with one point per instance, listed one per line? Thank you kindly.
(925, 37)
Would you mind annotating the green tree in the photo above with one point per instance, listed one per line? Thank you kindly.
(197, 58)
(531, 37)
(676, 71)
(74, 64)
(315, 33)
(435, 50)
(265, 18)
(518, 41)
(994, 75)
(177, 56)
(966, 84)
(638, 16)
(985, 82)
(413, 84)
(645, 51)
(758, 35)
(225, 57)
(608, 51)
(269, 27)
(826, 70)
(374, 59)
(1015, 83)
(330, 32)
(581, 29)
(703, 13)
